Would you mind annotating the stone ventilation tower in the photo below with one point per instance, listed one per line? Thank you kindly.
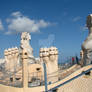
(87, 45)
(11, 58)
(50, 57)
(25, 44)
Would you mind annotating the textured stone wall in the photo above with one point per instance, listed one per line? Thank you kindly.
(11, 58)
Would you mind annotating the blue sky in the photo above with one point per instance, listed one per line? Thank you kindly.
(62, 21)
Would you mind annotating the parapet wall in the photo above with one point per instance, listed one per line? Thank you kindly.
(42, 88)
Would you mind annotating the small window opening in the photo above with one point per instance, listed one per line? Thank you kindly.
(38, 69)
(18, 78)
(25, 53)
(11, 79)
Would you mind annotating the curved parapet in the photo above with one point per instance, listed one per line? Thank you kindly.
(77, 82)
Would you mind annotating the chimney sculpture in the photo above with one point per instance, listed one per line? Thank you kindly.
(25, 44)
(87, 45)
(50, 57)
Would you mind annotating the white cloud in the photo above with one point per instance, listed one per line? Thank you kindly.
(16, 14)
(19, 23)
(1, 25)
(47, 42)
(76, 19)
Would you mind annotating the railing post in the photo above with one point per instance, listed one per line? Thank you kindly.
(45, 77)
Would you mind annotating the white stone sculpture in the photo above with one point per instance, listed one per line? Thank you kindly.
(25, 44)
(11, 59)
(44, 57)
(87, 45)
(50, 57)
(53, 55)
(13, 55)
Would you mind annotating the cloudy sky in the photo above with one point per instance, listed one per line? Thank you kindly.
(51, 22)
